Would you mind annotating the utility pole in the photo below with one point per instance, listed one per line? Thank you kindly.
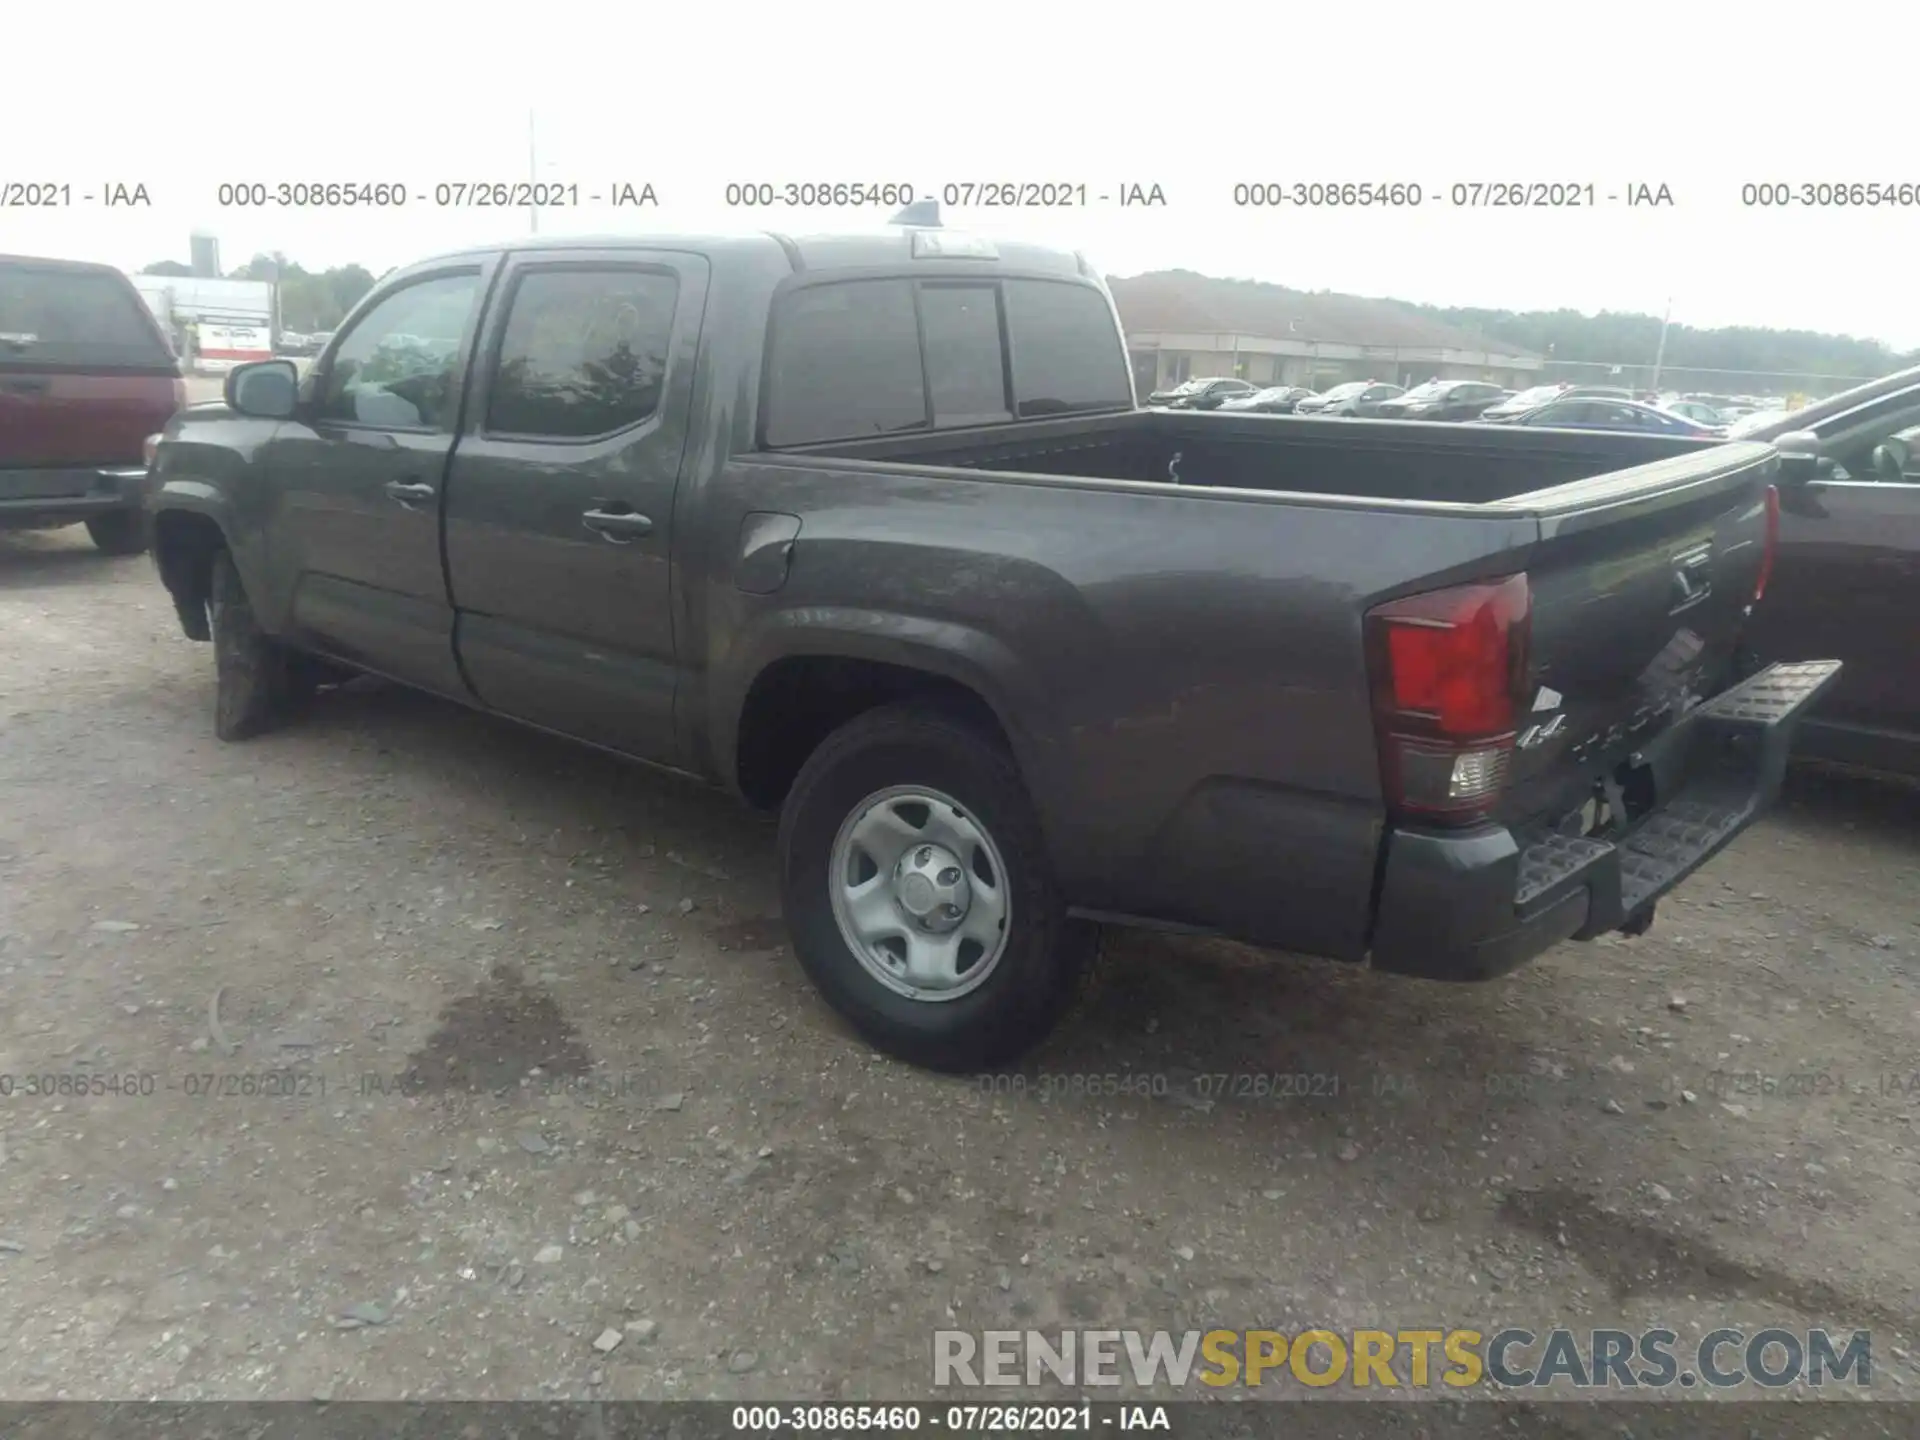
(1660, 354)
(533, 178)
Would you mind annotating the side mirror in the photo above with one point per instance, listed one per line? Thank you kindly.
(1800, 459)
(264, 390)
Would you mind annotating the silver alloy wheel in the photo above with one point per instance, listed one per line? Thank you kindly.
(920, 893)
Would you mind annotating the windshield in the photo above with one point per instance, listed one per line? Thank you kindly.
(1341, 392)
(1539, 395)
(1432, 390)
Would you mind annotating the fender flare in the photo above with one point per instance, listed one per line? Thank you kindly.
(951, 651)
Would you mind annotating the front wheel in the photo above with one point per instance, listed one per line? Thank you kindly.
(917, 888)
(117, 532)
(257, 680)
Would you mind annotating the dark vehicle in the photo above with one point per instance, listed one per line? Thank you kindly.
(1355, 398)
(868, 531)
(1848, 574)
(86, 378)
(296, 345)
(1201, 394)
(1274, 400)
(1442, 400)
(1620, 415)
(1519, 404)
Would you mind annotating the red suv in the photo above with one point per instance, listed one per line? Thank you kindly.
(86, 375)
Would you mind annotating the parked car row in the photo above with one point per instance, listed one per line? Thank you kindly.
(1575, 407)
(1595, 414)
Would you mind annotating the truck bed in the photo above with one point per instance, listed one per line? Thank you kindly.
(1193, 673)
(1396, 460)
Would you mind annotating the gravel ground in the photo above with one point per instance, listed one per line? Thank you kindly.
(555, 1080)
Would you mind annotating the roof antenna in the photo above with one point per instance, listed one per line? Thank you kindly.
(921, 215)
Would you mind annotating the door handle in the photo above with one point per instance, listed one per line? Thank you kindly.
(622, 527)
(409, 493)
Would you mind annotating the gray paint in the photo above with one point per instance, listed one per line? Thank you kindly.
(1179, 668)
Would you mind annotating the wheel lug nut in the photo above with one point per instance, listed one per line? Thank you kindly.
(950, 875)
(925, 856)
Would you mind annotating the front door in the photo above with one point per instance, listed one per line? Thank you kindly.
(357, 478)
(560, 497)
(1846, 586)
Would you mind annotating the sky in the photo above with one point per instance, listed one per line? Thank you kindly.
(1701, 98)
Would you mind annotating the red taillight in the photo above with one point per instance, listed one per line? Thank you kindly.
(1772, 545)
(1449, 677)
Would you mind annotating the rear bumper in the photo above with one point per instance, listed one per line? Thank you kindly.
(1472, 905)
(35, 498)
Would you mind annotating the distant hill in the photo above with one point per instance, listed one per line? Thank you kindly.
(1613, 338)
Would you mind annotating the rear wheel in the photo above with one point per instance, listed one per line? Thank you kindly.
(258, 681)
(917, 888)
(117, 532)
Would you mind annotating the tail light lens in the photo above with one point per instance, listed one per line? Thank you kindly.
(1772, 545)
(1449, 673)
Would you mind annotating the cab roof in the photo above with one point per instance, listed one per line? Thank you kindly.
(810, 253)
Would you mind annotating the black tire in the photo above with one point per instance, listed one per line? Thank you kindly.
(257, 681)
(117, 532)
(1048, 957)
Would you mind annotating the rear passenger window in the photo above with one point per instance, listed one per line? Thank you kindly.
(844, 363)
(965, 372)
(1067, 353)
(584, 353)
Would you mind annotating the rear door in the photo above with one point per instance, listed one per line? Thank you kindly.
(85, 377)
(560, 498)
(357, 477)
(1373, 396)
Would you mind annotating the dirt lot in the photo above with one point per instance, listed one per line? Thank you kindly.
(553, 1076)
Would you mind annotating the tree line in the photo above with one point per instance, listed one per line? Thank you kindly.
(310, 300)
(1616, 338)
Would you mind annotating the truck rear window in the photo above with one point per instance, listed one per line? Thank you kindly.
(852, 359)
(53, 316)
(1067, 354)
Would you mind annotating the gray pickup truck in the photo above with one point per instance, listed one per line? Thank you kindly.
(870, 531)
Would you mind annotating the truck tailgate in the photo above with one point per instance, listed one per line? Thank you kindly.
(1641, 582)
(1623, 758)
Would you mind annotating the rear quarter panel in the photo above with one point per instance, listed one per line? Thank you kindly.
(1181, 672)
